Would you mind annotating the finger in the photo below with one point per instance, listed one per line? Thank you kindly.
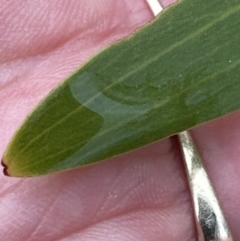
(32, 29)
(138, 196)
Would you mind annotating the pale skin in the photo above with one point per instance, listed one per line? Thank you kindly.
(141, 195)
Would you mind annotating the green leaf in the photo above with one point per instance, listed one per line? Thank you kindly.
(177, 72)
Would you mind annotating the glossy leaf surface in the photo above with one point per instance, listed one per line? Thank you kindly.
(177, 72)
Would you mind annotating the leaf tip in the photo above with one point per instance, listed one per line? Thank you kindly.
(5, 168)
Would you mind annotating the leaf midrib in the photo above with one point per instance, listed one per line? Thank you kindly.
(175, 97)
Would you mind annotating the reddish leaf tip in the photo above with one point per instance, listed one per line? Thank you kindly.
(5, 168)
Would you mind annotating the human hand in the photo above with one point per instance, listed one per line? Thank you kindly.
(142, 195)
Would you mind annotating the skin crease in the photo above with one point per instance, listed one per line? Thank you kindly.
(142, 195)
